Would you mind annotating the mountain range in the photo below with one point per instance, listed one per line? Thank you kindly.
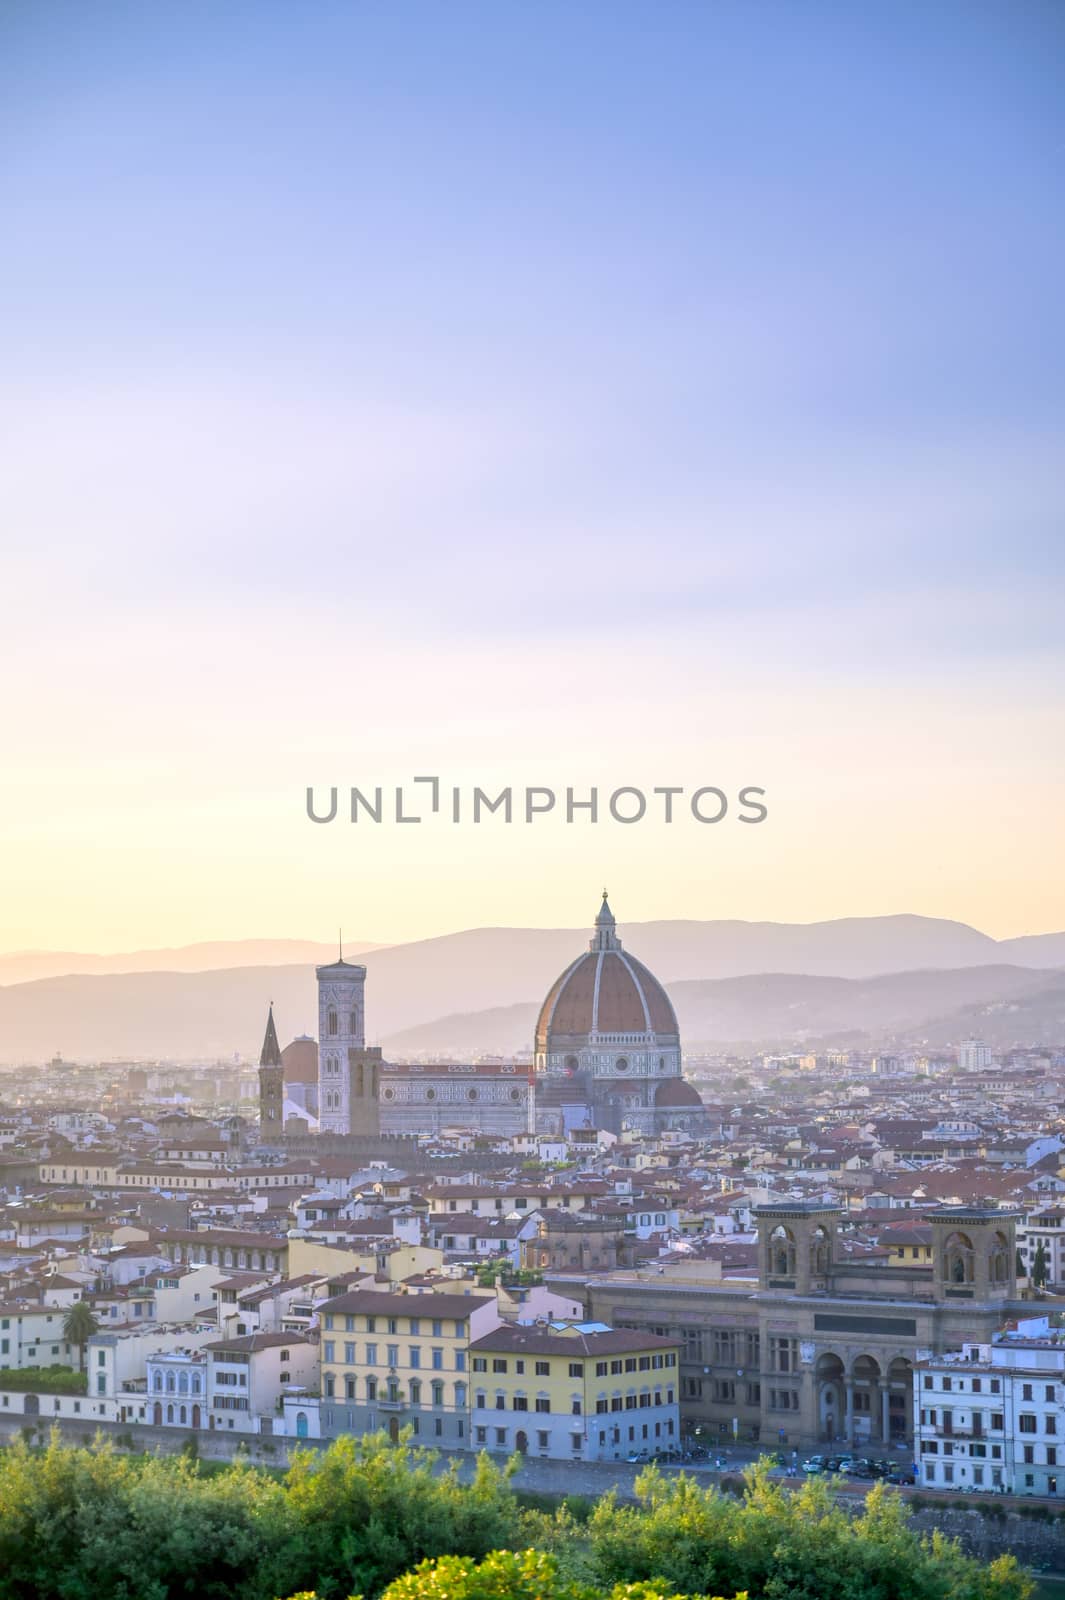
(763, 984)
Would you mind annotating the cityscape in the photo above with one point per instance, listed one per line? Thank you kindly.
(600, 1249)
(532, 948)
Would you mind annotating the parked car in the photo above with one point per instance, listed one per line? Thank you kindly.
(814, 1465)
(638, 1455)
(901, 1475)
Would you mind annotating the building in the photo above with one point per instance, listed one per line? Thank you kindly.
(814, 1347)
(247, 1376)
(488, 1096)
(176, 1387)
(992, 1416)
(574, 1392)
(271, 1086)
(390, 1360)
(1046, 1228)
(348, 1072)
(607, 1046)
(974, 1055)
(32, 1336)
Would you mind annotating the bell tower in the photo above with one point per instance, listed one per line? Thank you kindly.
(974, 1253)
(796, 1245)
(271, 1086)
(348, 1072)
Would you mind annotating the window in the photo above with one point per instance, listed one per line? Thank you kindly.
(392, 1355)
(1026, 1419)
(499, 1365)
(480, 1364)
(576, 1369)
(543, 1403)
(415, 1356)
(543, 1368)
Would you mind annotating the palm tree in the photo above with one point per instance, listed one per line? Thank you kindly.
(79, 1325)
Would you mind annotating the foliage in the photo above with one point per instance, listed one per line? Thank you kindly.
(1040, 1266)
(509, 1575)
(43, 1380)
(784, 1544)
(367, 1518)
(79, 1325)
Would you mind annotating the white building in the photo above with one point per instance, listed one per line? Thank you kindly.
(247, 1378)
(974, 1055)
(32, 1336)
(1046, 1228)
(993, 1416)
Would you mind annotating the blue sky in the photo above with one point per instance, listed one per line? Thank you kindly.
(458, 352)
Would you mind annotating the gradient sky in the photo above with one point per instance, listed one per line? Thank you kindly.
(623, 393)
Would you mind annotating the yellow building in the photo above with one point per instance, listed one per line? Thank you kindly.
(390, 1360)
(574, 1391)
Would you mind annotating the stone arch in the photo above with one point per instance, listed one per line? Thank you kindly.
(781, 1244)
(959, 1258)
(820, 1252)
(999, 1266)
(829, 1379)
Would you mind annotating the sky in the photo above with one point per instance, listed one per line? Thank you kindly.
(638, 393)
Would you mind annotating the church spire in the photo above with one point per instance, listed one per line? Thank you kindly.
(270, 1055)
(605, 936)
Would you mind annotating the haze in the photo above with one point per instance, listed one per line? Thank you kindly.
(562, 394)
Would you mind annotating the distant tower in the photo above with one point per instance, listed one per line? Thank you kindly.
(271, 1086)
(348, 1072)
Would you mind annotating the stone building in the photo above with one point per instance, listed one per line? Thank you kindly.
(607, 1046)
(564, 1242)
(489, 1097)
(817, 1348)
(271, 1086)
(348, 1072)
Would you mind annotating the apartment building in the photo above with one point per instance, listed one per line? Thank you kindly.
(992, 1417)
(390, 1360)
(574, 1391)
(247, 1377)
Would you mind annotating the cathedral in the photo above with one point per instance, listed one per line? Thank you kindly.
(607, 1046)
(606, 1054)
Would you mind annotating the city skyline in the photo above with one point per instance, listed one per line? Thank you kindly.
(588, 396)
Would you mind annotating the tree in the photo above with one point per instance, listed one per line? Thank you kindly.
(511, 1575)
(1040, 1271)
(79, 1325)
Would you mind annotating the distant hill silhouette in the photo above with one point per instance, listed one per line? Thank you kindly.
(434, 984)
(23, 966)
(767, 1011)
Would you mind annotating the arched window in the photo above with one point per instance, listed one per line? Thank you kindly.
(331, 1022)
(958, 1258)
(353, 1022)
(183, 1383)
(782, 1252)
(170, 1383)
(157, 1382)
(169, 1413)
(460, 1395)
(820, 1252)
(195, 1383)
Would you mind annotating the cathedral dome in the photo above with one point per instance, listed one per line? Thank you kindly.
(676, 1095)
(606, 991)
